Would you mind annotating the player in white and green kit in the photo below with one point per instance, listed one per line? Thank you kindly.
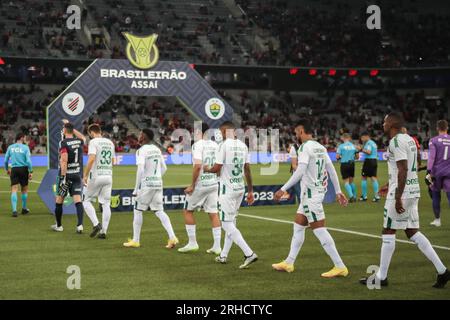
(401, 211)
(314, 166)
(233, 163)
(202, 193)
(98, 179)
(149, 189)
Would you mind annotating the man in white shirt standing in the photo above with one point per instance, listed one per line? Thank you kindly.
(314, 165)
(98, 179)
(233, 163)
(202, 193)
(149, 189)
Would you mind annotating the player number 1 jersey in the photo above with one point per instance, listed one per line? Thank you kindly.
(403, 147)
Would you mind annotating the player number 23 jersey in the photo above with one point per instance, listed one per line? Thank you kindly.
(103, 149)
(403, 147)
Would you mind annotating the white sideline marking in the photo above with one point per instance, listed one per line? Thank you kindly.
(339, 230)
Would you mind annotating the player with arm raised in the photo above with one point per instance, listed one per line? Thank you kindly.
(438, 168)
(70, 174)
(401, 210)
(202, 193)
(149, 189)
(233, 164)
(98, 179)
(314, 165)
(21, 172)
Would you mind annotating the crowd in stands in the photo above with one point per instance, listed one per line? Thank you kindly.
(334, 33)
(122, 117)
(351, 112)
(301, 33)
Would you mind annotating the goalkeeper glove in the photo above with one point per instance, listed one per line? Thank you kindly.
(429, 179)
(63, 187)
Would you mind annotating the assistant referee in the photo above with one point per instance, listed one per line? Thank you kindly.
(20, 171)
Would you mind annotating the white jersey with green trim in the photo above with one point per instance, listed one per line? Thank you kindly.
(151, 157)
(315, 156)
(232, 155)
(403, 147)
(206, 152)
(103, 149)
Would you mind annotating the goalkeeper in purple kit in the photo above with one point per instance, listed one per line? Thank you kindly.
(438, 167)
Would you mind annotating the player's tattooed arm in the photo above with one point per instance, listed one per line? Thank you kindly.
(402, 167)
(63, 163)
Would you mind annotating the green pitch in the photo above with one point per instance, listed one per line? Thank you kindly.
(34, 260)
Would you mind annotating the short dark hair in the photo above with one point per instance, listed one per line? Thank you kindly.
(69, 127)
(228, 124)
(442, 125)
(95, 128)
(148, 133)
(397, 120)
(365, 133)
(205, 127)
(20, 136)
(307, 126)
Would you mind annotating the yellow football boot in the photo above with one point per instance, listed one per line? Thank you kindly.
(283, 266)
(336, 272)
(172, 243)
(131, 244)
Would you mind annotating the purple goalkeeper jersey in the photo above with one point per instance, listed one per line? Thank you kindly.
(439, 156)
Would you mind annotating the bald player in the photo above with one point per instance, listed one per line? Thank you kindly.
(401, 211)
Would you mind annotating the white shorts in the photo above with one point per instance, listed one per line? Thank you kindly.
(205, 198)
(149, 199)
(407, 220)
(312, 207)
(100, 188)
(229, 205)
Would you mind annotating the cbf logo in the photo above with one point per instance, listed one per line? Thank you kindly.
(142, 52)
(115, 201)
(214, 108)
(73, 104)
